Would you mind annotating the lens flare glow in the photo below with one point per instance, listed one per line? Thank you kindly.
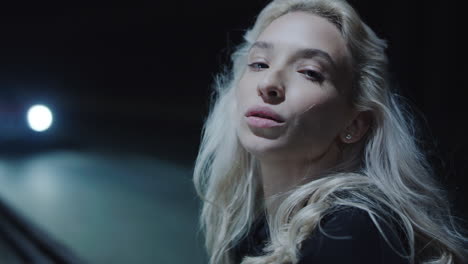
(39, 118)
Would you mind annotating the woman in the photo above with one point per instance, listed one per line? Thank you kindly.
(307, 155)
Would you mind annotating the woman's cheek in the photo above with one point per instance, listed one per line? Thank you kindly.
(317, 123)
(242, 89)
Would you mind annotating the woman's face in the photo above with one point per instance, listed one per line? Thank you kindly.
(291, 98)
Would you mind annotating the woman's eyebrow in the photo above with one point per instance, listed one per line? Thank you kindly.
(309, 53)
(306, 53)
(262, 45)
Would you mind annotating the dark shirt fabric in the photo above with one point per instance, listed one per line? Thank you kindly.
(350, 237)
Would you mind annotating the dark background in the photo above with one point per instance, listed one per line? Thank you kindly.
(128, 78)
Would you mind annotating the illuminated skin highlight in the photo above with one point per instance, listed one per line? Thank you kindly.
(299, 68)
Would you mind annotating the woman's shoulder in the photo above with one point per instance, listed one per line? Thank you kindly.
(349, 235)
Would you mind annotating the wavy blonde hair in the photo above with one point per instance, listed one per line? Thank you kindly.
(386, 175)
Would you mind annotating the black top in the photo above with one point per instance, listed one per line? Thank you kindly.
(350, 237)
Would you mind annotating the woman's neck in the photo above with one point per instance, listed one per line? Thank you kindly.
(281, 176)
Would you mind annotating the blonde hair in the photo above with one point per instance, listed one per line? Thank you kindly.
(390, 178)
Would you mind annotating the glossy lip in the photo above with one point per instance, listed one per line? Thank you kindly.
(263, 117)
(264, 113)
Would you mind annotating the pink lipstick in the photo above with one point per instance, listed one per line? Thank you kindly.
(263, 117)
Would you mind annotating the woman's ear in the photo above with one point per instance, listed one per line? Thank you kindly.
(358, 127)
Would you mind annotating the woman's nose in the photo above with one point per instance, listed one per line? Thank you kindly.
(271, 88)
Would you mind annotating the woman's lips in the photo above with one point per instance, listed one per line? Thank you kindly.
(260, 122)
(263, 117)
(264, 112)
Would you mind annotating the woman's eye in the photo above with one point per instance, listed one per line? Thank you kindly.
(313, 75)
(258, 66)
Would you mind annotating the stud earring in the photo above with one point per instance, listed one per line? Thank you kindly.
(348, 137)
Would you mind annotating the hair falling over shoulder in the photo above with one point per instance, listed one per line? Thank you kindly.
(387, 175)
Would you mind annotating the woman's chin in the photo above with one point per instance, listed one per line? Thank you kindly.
(262, 147)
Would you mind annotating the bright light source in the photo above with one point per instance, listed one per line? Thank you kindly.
(39, 118)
